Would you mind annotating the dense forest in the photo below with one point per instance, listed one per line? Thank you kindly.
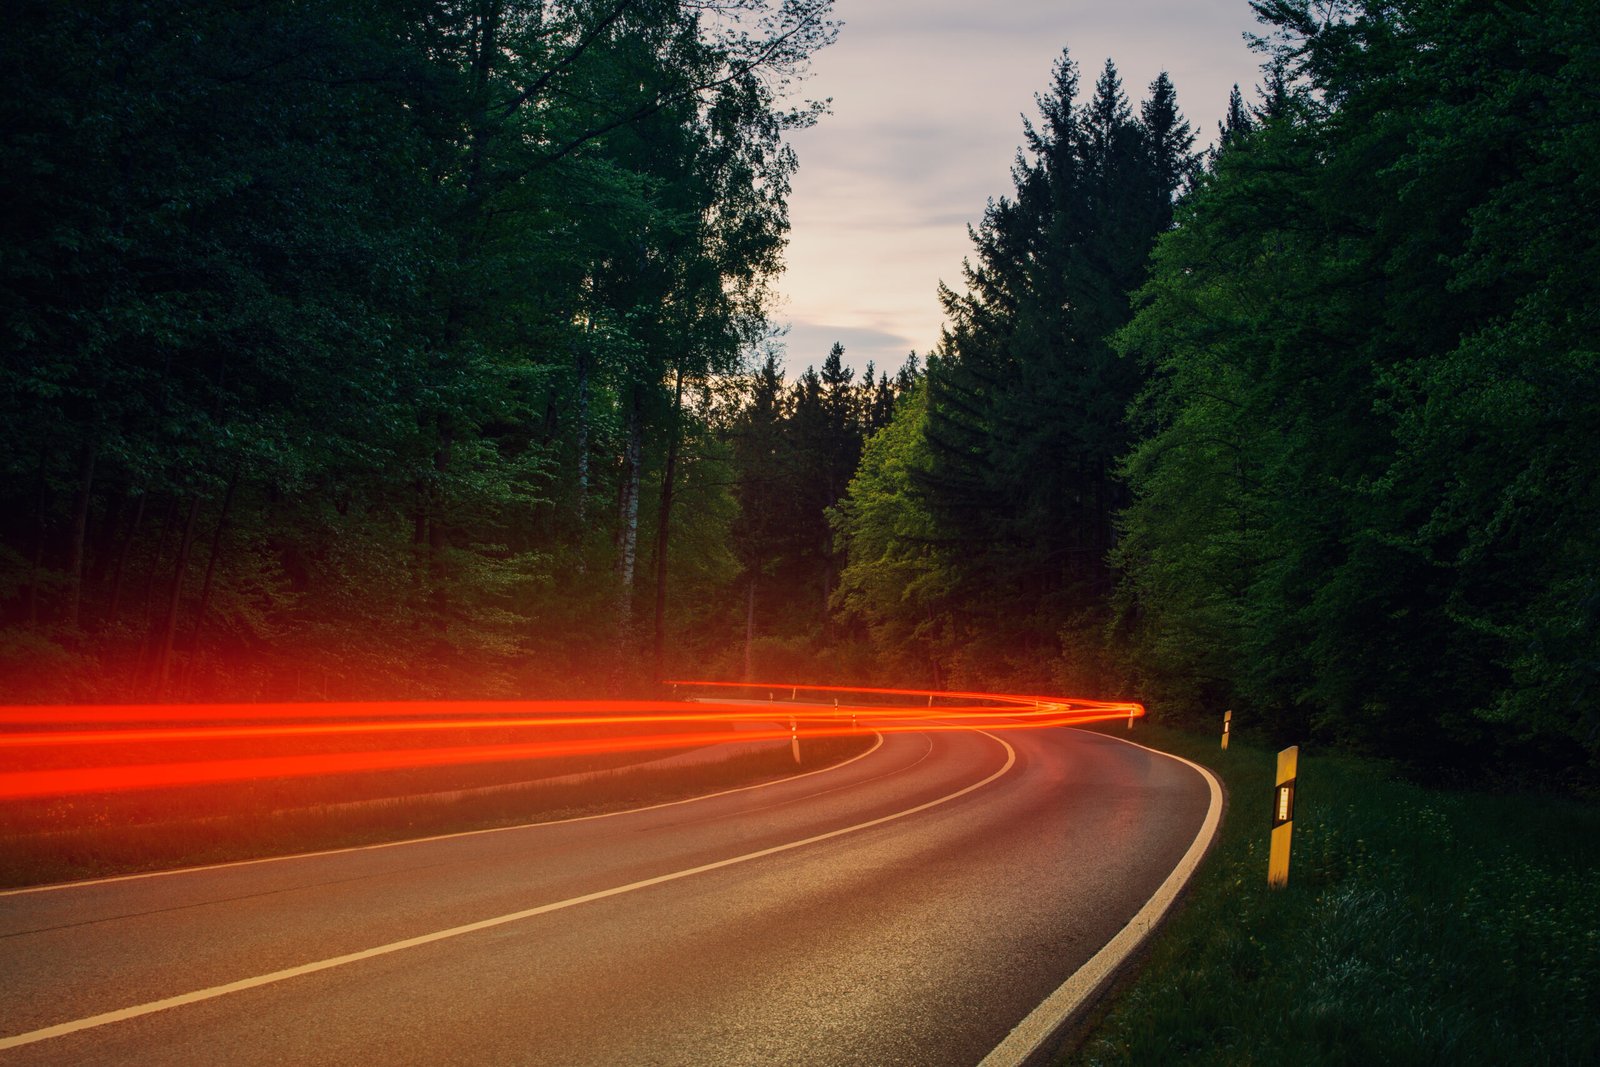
(383, 346)
(413, 347)
(1318, 442)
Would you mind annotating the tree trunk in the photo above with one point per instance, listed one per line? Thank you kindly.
(120, 568)
(99, 557)
(663, 521)
(439, 596)
(628, 526)
(1102, 525)
(155, 562)
(80, 525)
(487, 48)
(169, 624)
(750, 630)
(211, 568)
(40, 499)
(827, 598)
(583, 441)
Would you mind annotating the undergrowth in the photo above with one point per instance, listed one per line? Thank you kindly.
(1419, 926)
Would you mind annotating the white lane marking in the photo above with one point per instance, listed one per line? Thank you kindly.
(123, 1014)
(801, 799)
(1031, 1033)
(436, 837)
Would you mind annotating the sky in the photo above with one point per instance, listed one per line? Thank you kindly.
(928, 99)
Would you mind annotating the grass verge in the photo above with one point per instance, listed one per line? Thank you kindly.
(1419, 926)
(95, 842)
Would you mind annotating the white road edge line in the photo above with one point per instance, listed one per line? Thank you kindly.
(436, 837)
(123, 1014)
(1030, 1035)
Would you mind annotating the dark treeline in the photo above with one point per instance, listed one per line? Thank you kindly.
(403, 347)
(1319, 445)
(979, 530)
(795, 450)
(379, 347)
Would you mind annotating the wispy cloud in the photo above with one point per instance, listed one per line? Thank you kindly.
(928, 98)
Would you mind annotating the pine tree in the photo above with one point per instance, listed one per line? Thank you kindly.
(1235, 125)
(764, 460)
(1026, 398)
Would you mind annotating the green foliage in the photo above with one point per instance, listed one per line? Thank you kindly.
(896, 579)
(795, 450)
(1418, 926)
(1364, 498)
(331, 335)
(995, 506)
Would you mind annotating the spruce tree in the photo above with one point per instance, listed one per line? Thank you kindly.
(1026, 399)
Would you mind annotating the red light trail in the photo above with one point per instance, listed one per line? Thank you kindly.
(47, 759)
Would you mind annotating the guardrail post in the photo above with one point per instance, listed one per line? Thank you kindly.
(1282, 817)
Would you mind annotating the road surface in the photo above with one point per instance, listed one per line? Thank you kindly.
(909, 907)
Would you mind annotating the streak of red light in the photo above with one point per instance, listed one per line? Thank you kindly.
(1020, 712)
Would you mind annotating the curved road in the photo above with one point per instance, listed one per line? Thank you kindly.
(909, 907)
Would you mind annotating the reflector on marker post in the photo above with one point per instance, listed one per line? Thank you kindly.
(1282, 817)
(1227, 721)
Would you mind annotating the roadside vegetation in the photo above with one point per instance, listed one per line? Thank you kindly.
(1419, 925)
(90, 837)
(427, 350)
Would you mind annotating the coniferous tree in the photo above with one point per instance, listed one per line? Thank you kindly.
(764, 459)
(1235, 124)
(1026, 399)
(1370, 369)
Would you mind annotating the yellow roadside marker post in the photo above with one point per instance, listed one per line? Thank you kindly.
(1282, 818)
(794, 738)
(1227, 721)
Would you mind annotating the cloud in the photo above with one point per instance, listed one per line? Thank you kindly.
(807, 345)
(928, 98)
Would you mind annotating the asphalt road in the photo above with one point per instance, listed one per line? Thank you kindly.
(909, 907)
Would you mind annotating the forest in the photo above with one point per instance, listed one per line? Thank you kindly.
(421, 348)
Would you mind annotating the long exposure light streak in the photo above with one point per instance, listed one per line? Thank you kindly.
(51, 755)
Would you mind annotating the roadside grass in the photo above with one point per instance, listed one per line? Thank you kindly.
(1419, 926)
(128, 833)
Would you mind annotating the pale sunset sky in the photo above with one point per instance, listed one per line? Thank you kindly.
(928, 99)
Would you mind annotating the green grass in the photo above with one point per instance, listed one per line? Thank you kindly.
(1420, 926)
(118, 835)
